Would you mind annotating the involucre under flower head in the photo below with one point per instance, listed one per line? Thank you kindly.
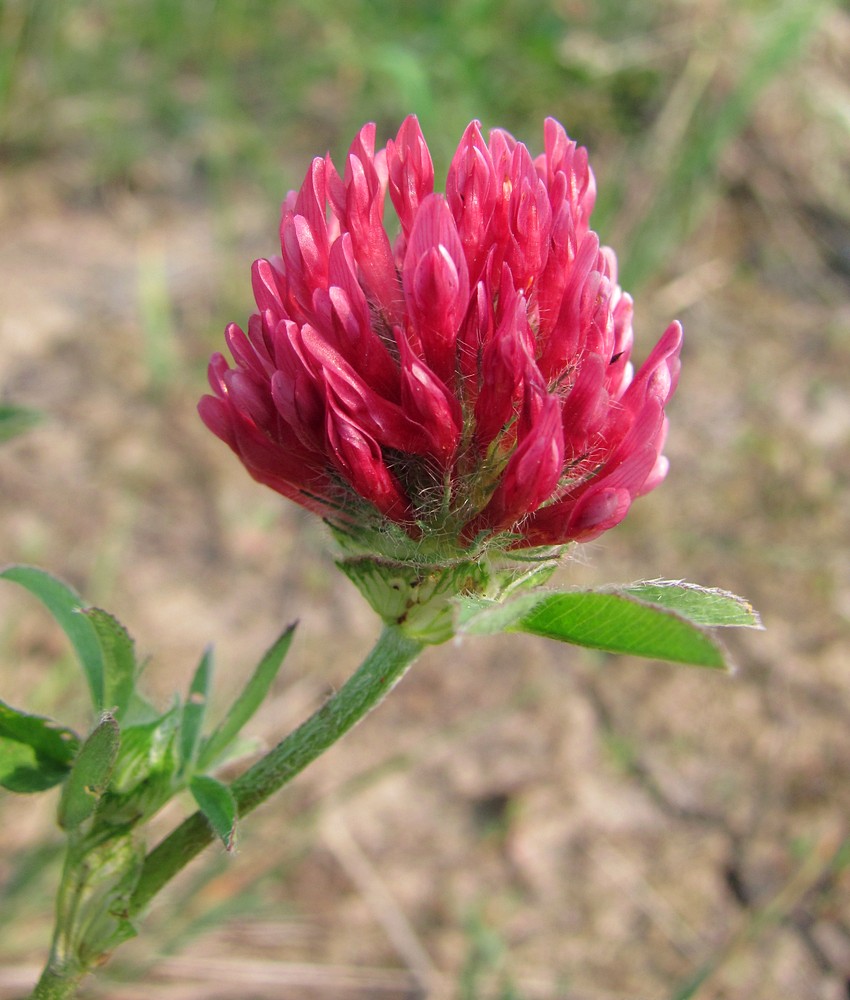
(467, 381)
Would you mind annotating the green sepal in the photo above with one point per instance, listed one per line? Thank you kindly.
(194, 711)
(90, 774)
(216, 802)
(416, 598)
(65, 605)
(36, 753)
(217, 745)
(419, 590)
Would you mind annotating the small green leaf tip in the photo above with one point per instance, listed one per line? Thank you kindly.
(701, 605)
(216, 802)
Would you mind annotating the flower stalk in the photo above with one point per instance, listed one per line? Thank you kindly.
(58, 983)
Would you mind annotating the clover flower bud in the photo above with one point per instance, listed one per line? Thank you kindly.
(460, 392)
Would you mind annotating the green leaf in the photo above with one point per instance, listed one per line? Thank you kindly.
(90, 774)
(216, 802)
(65, 605)
(618, 623)
(247, 703)
(701, 605)
(195, 709)
(47, 737)
(119, 660)
(23, 770)
(35, 752)
(15, 420)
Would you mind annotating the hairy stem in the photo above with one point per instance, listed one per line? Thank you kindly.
(58, 983)
(393, 653)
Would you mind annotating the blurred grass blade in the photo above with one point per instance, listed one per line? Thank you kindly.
(194, 710)
(779, 34)
(248, 702)
(23, 29)
(35, 752)
(216, 802)
(89, 777)
(156, 313)
(119, 660)
(65, 605)
(701, 605)
(618, 623)
(29, 883)
(15, 420)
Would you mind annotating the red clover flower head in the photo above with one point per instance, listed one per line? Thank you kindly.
(466, 385)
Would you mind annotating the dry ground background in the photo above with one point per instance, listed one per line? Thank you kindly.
(520, 820)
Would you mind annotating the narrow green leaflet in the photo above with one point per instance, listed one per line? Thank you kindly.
(35, 752)
(89, 777)
(119, 660)
(22, 771)
(195, 709)
(618, 623)
(65, 605)
(44, 735)
(247, 703)
(15, 420)
(701, 605)
(216, 802)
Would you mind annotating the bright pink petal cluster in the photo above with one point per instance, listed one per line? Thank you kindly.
(470, 377)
